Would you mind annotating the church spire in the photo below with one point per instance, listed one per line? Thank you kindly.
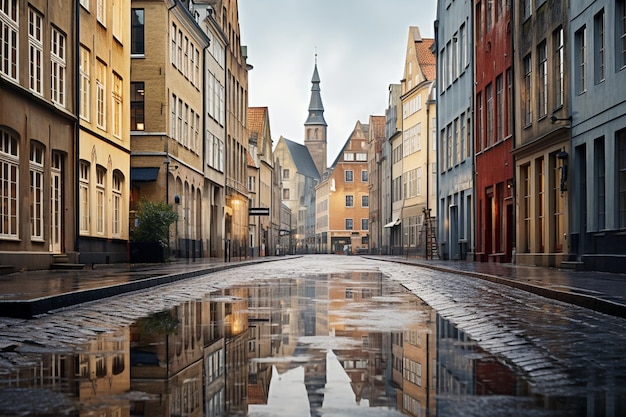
(315, 126)
(316, 108)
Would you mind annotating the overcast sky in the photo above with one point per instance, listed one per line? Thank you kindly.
(360, 48)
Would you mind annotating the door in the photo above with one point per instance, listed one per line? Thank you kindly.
(56, 196)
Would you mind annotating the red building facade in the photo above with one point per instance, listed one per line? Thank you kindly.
(494, 131)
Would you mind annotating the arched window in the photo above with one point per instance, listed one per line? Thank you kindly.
(9, 184)
(117, 203)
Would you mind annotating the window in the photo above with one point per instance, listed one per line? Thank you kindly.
(116, 19)
(600, 191)
(509, 101)
(361, 156)
(100, 200)
(85, 83)
(9, 35)
(349, 175)
(348, 156)
(456, 142)
(364, 176)
(463, 45)
(528, 114)
(84, 196)
(9, 181)
(85, 4)
(462, 137)
(528, 8)
(286, 173)
(173, 117)
(364, 224)
(489, 15)
(349, 200)
(137, 104)
(36, 191)
(116, 115)
(490, 113)
(186, 128)
(449, 146)
(527, 201)
(499, 108)
(173, 31)
(580, 39)
(620, 34)
(35, 50)
(559, 62)
(418, 181)
(251, 183)
(365, 201)
(480, 134)
(541, 199)
(349, 224)
(101, 11)
(137, 32)
(599, 61)
(100, 97)
(542, 84)
(57, 58)
(117, 204)
(479, 21)
(621, 178)
(285, 193)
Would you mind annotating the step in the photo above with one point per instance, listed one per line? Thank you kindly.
(573, 265)
(67, 265)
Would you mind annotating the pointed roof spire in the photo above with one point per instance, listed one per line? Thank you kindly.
(316, 108)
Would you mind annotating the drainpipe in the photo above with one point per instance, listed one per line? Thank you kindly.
(77, 127)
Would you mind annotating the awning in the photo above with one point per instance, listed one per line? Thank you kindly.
(144, 174)
(393, 223)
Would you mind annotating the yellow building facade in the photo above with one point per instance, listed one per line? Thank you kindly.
(103, 147)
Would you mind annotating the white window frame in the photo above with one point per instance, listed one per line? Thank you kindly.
(117, 205)
(100, 199)
(85, 83)
(9, 23)
(35, 50)
(84, 196)
(117, 105)
(101, 95)
(10, 185)
(101, 11)
(36, 168)
(58, 47)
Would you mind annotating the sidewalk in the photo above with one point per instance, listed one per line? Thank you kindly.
(27, 294)
(30, 293)
(600, 291)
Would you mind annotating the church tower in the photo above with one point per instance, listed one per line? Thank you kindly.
(315, 125)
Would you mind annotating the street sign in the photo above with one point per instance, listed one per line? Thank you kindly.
(258, 211)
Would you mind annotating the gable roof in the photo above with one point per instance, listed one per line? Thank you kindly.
(426, 59)
(302, 159)
(364, 127)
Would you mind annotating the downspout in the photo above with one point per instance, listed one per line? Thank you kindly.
(514, 124)
(77, 129)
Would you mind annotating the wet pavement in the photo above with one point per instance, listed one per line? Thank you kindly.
(318, 336)
(26, 294)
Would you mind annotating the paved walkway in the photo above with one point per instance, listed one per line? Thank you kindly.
(26, 294)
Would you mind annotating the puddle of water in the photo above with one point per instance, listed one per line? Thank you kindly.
(321, 345)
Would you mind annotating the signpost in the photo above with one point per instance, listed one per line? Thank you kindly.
(258, 211)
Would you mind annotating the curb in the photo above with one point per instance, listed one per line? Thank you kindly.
(581, 300)
(27, 309)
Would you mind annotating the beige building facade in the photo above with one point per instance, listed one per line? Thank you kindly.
(167, 146)
(419, 152)
(342, 197)
(104, 132)
(37, 134)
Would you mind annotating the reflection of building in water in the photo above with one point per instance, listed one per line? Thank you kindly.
(166, 359)
(100, 372)
(465, 369)
(413, 357)
(236, 327)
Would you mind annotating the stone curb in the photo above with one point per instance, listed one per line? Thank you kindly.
(27, 309)
(581, 300)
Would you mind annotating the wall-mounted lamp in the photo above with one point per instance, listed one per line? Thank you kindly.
(555, 119)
